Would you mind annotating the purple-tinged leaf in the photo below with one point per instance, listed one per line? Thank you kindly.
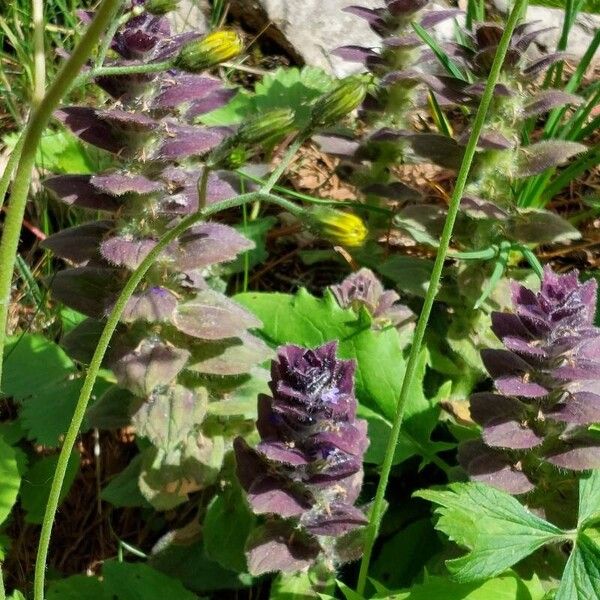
(337, 520)
(543, 155)
(533, 226)
(186, 141)
(500, 433)
(128, 122)
(439, 149)
(270, 494)
(435, 17)
(154, 305)
(277, 546)
(167, 418)
(209, 244)
(337, 145)
(357, 54)
(508, 324)
(282, 453)
(126, 251)
(395, 190)
(216, 99)
(488, 34)
(120, 183)
(372, 16)
(151, 364)
(489, 140)
(78, 244)
(486, 406)
(213, 316)
(579, 408)
(183, 89)
(500, 89)
(76, 190)
(511, 374)
(547, 100)
(85, 124)
(491, 467)
(234, 356)
(404, 8)
(577, 456)
(89, 290)
(535, 67)
(477, 208)
(405, 41)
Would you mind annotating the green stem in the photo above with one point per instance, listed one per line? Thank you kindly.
(39, 52)
(13, 160)
(2, 592)
(32, 136)
(157, 67)
(285, 161)
(101, 348)
(411, 368)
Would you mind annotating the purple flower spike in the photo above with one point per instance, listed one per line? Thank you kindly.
(308, 467)
(547, 386)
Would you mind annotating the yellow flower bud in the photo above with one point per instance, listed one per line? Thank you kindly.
(345, 229)
(216, 47)
(342, 100)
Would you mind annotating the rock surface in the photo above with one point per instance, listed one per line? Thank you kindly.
(580, 37)
(190, 14)
(310, 29)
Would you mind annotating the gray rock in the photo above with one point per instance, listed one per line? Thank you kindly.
(310, 29)
(190, 14)
(581, 34)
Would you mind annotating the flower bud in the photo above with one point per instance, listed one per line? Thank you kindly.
(266, 128)
(213, 49)
(160, 7)
(345, 229)
(342, 100)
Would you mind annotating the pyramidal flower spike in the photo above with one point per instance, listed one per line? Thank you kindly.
(547, 388)
(306, 473)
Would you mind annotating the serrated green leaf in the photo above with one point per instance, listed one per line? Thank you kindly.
(137, 581)
(10, 479)
(581, 577)
(36, 485)
(226, 527)
(31, 362)
(496, 529)
(46, 414)
(589, 498)
(506, 587)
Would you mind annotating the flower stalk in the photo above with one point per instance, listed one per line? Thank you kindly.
(33, 133)
(453, 208)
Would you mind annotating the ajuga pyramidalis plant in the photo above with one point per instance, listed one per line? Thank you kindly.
(306, 473)
(181, 341)
(535, 424)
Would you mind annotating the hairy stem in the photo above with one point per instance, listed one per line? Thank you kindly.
(33, 133)
(11, 165)
(378, 505)
(39, 52)
(2, 592)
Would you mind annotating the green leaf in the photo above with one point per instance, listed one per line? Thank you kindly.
(30, 363)
(238, 108)
(293, 586)
(137, 581)
(581, 578)
(36, 485)
(46, 414)
(226, 527)
(78, 587)
(257, 232)
(308, 321)
(589, 498)
(495, 527)
(10, 478)
(123, 489)
(506, 587)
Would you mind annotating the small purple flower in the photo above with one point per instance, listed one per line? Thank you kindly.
(547, 387)
(307, 469)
